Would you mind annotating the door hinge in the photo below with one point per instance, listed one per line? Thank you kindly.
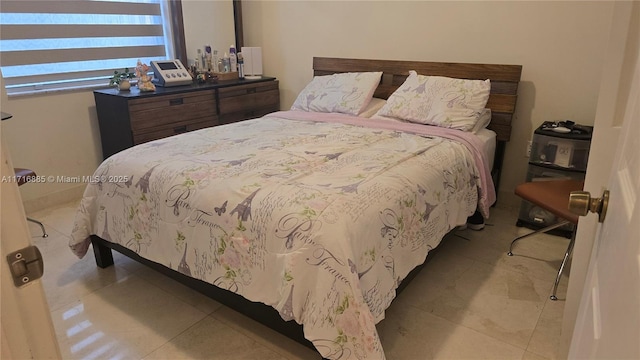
(26, 265)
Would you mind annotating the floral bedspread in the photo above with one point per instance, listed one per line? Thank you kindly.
(318, 218)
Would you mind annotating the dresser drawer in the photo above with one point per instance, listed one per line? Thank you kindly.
(249, 101)
(169, 111)
(166, 131)
(240, 90)
(246, 114)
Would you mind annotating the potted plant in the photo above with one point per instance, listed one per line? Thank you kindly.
(121, 79)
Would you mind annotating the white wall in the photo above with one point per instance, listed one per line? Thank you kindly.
(560, 45)
(53, 134)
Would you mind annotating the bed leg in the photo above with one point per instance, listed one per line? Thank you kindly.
(104, 257)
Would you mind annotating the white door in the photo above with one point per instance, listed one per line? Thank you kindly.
(607, 321)
(26, 328)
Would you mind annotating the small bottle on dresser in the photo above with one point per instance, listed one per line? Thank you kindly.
(233, 59)
(198, 62)
(214, 62)
(207, 51)
(240, 66)
(203, 60)
(225, 63)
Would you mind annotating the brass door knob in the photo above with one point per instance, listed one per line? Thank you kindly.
(581, 202)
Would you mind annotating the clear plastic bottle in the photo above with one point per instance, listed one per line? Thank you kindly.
(233, 59)
(207, 53)
(226, 63)
(214, 61)
(203, 60)
(198, 61)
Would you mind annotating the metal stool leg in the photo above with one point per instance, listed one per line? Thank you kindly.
(564, 262)
(548, 228)
(44, 232)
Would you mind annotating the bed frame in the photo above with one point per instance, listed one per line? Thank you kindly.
(504, 86)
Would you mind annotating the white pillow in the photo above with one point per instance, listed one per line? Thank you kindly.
(347, 93)
(372, 108)
(484, 118)
(440, 101)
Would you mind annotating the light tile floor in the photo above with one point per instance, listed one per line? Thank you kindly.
(471, 301)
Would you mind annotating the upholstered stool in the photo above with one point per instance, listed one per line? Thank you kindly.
(552, 196)
(22, 176)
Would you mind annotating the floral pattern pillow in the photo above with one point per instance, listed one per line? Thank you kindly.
(440, 101)
(347, 93)
(483, 121)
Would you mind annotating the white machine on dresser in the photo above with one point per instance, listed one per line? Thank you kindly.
(170, 73)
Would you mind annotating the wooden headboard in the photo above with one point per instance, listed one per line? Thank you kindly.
(502, 100)
(504, 81)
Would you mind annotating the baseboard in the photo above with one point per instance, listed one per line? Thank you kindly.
(54, 199)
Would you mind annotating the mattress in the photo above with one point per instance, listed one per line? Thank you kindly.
(488, 139)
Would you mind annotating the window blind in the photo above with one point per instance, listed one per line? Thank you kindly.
(52, 45)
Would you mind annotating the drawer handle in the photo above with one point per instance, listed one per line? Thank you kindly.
(180, 129)
(176, 101)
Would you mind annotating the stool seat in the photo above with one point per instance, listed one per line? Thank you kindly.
(552, 196)
(23, 174)
(22, 177)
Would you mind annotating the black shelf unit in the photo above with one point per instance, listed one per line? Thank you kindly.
(554, 155)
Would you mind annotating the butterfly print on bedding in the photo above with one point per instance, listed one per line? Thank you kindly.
(222, 209)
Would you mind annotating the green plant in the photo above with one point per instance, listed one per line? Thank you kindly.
(119, 76)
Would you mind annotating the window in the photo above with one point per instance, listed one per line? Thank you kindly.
(53, 45)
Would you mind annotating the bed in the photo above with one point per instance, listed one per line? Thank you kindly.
(308, 221)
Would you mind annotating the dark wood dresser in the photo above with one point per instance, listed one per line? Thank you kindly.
(128, 118)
